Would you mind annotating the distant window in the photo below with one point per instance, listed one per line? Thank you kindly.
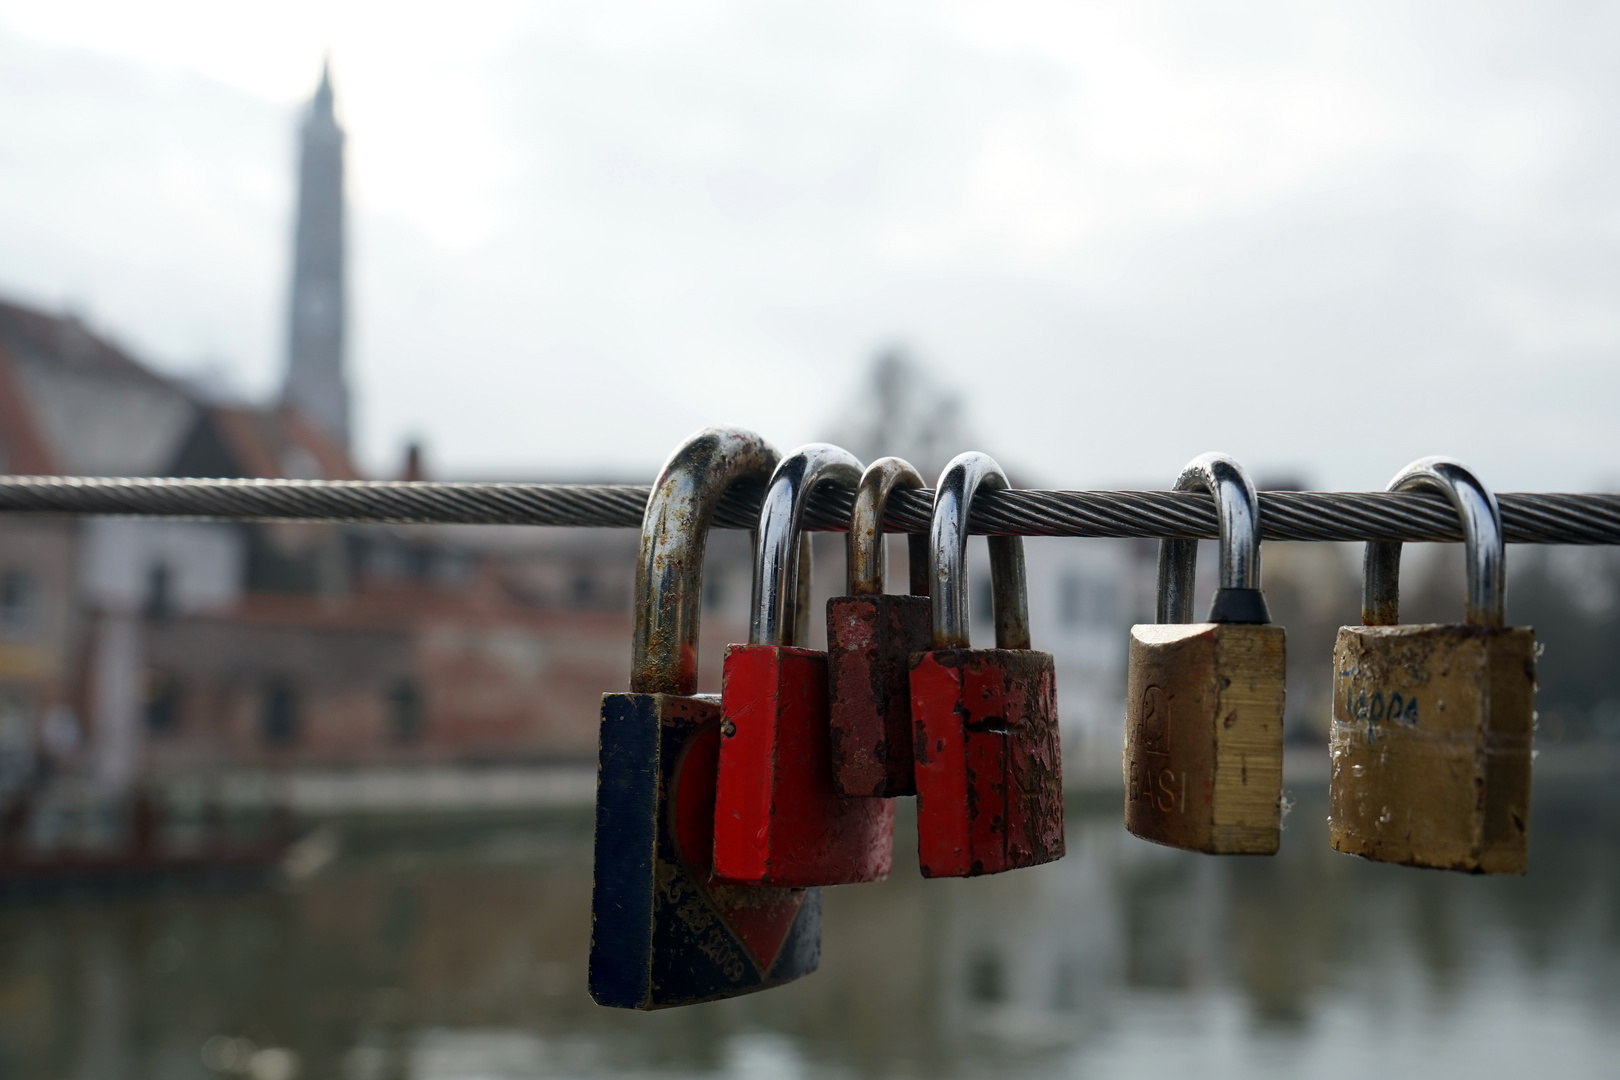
(159, 592)
(61, 732)
(18, 595)
(280, 713)
(404, 711)
(162, 703)
(452, 566)
(714, 591)
(387, 559)
(418, 561)
(17, 754)
(987, 980)
(583, 589)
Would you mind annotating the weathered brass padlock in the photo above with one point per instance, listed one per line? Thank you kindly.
(1204, 701)
(1432, 724)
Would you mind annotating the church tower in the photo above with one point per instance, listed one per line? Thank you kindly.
(315, 384)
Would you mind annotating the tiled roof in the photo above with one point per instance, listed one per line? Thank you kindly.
(23, 448)
(69, 342)
(279, 443)
(73, 402)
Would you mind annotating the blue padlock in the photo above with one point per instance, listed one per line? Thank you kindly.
(664, 930)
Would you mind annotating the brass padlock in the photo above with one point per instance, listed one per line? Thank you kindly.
(1432, 724)
(1204, 701)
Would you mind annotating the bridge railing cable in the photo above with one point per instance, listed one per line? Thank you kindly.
(1527, 517)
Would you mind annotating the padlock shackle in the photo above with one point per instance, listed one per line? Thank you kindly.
(1237, 508)
(779, 565)
(1484, 547)
(669, 563)
(947, 558)
(865, 553)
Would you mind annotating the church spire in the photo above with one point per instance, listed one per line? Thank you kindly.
(322, 105)
(317, 309)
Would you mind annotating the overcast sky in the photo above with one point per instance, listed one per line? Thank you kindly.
(1325, 237)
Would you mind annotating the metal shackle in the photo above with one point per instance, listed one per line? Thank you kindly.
(865, 553)
(1484, 547)
(947, 558)
(669, 564)
(1238, 598)
(776, 600)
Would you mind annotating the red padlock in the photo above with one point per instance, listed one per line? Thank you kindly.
(870, 638)
(778, 818)
(989, 766)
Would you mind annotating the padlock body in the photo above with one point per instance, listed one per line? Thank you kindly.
(664, 931)
(870, 640)
(1431, 746)
(988, 762)
(778, 818)
(1204, 736)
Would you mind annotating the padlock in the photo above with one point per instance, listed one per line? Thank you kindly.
(664, 930)
(1432, 725)
(988, 763)
(870, 638)
(778, 818)
(1204, 701)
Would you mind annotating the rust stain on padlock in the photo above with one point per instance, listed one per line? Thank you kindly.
(669, 571)
(989, 767)
(870, 640)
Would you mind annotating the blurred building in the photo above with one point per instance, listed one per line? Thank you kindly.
(131, 645)
(133, 648)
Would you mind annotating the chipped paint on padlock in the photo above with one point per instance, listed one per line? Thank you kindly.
(870, 638)
(1442, 779)
(989, 733)
(988, 760)
(664, 930)
(803, 832)
(1204, 701)
(778, 817)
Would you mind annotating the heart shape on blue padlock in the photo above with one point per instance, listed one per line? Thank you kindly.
(761, 918)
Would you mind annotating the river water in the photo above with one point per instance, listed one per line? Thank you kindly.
(456, 949)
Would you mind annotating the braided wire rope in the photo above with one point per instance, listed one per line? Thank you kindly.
(1528, 518)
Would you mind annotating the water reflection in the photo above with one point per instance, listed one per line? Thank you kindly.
(460, 952)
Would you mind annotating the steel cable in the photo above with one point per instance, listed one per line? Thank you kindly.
(1528, 518)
